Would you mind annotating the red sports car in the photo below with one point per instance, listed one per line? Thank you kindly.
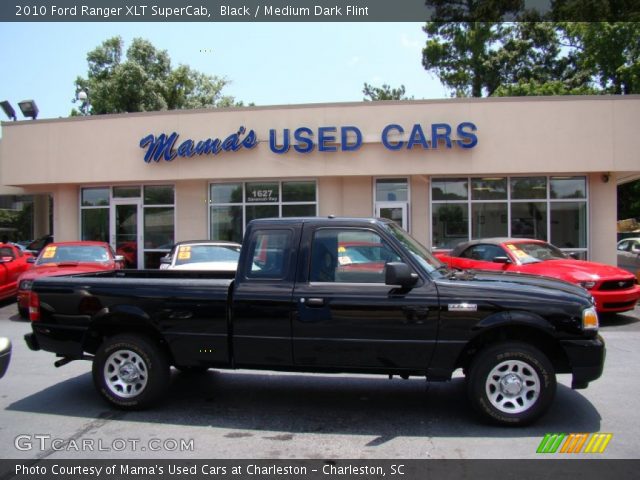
(66, 258)
(13, 262)
(614, 289)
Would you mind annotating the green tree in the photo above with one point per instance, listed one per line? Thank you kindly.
(385, 92)
(145, 80)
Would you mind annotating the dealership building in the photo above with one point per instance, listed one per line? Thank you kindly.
(446, 170)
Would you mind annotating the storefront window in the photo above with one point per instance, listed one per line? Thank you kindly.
(95, 197)
(126, 192)
(95, 224)
(489, 220)
(158, 195)
(450, 222)
(569, 224)
(568, 187)
(392, 190)
(488, 188)
(553, 209)
(233, 205)
(450, 189)
(158, 228)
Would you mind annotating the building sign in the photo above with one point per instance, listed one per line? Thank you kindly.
(347, 138)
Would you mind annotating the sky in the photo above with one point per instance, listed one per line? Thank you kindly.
(266, 63)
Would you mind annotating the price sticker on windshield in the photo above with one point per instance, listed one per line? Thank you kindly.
(184, 253)
(49, 252)
(511, 246)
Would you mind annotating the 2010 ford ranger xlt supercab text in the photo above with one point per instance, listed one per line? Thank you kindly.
(325, 295)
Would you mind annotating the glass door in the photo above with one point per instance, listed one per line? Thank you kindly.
(126, 228)
(396, 211)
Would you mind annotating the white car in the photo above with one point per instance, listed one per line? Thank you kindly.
(209, 255)
(629, 254)
(5, 355)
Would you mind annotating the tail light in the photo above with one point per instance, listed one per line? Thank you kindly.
(34, 307)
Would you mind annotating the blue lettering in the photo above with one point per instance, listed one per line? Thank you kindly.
(385, 140)
(436, 136)
(160, 146)
(186, 149)
(350, 147)
(273, 141)
(467, 135)
(250, 140)
(324, 139)
(305, 144)
(417, 136)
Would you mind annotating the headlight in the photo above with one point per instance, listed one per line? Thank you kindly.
(590, 319)
(26, 284)
(587, 285)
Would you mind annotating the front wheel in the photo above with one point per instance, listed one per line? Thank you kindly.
(511, 383)
(130, 371)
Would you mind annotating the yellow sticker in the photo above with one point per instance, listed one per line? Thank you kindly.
(520, 254)
(49, 252)
(341, 249)
(511, 246)
(184, 253)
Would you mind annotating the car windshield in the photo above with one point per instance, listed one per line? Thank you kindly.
(206, 254)
(533, 252)
(430, 263)
(73, 253)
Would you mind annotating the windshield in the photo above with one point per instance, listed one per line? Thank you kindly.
(207, 254)
(430, 263)
(533, 252)
(73, 253)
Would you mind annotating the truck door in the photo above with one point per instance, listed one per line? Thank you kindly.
(262, 299)
(345, 314)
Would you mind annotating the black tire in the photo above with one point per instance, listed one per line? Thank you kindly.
(142, 374)
(511, 383)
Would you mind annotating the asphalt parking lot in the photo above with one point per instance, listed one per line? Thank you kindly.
(54, 413)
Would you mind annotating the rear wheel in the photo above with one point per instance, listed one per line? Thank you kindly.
(511, 383)
(130, 371)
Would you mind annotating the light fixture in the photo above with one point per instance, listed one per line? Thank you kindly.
(605, 177)
(29, 108)
(8, 110)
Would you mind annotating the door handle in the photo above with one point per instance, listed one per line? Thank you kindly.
(314, 302)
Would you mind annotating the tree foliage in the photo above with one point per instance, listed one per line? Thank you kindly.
(145, 80)
(534, 58)
(385, 92)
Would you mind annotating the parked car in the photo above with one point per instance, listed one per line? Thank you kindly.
(510, 334)
(629, 254)
(13, 262)
(65, 258)
(614, 289)
(5, 355)
(36, 246)
(202, 255)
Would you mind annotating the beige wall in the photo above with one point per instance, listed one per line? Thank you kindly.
(543, 136)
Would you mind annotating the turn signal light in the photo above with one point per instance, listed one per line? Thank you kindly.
(590, 319)
(34, 307)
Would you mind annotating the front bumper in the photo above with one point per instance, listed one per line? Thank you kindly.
(586, 358)
(616, 300)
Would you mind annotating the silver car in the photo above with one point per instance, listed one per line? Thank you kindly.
(5, 355)
(629, 254)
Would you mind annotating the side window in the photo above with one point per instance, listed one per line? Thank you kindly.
(349, 256)
(483, 252)
(268, 254)
(623, 246)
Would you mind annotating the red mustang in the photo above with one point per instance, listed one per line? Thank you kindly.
(13, 262)
(614, 289)
(66, 258)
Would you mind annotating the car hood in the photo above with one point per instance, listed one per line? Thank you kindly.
(576, 270)
(55, 269)
(512, 291)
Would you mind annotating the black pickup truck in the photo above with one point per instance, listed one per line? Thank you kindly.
(325, 295)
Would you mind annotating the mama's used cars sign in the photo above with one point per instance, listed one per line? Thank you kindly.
(305, 140)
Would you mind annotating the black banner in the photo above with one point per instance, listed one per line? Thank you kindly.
(317, 10)
(583, 467)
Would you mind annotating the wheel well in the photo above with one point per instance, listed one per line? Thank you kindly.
(115, 326)
(529, 335)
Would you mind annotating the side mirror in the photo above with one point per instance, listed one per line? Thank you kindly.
(31, 260)
(574, 255)
(166, 260)
(119, 258)
(398, 273)
(501, 259)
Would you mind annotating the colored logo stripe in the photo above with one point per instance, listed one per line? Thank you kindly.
(574, 443)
